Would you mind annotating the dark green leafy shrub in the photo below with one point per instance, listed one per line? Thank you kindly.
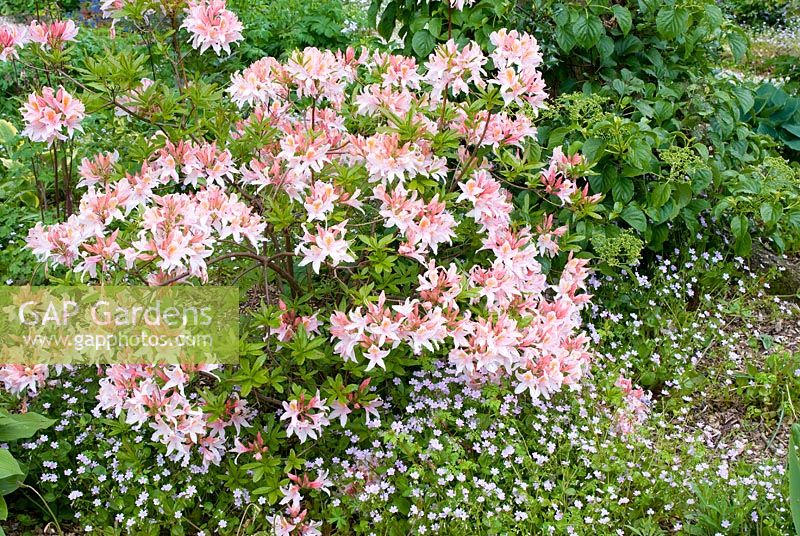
(776, 113)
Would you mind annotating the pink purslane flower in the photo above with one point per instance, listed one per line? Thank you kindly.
(212, 25)
(53, 34)
(52, 115)
(12, 38)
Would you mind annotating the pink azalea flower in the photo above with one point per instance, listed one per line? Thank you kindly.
(12, 39)
(53, 34)
(97, 170)
(302, 422)
(52, 115)
(23, 379)
(327, 242)
(212, 25)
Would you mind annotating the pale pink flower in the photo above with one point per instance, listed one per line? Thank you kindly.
(209, 163)
(97, 170)
(52, 115)
(451, 69)
(258, 83)
(53, 34)
(212, 25)
(23, 379)
(307, 418)
(327, 242)
(12, 39)
(375, 357)
(109, 7)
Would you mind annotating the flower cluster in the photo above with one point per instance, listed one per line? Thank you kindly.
(23, 379)
(155, 396)
(52, 115)
(307, 418)
(52, 35)
(12, 39)
(178, 232)
(211, 25)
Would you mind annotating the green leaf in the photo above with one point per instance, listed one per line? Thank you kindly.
(792, 144)
(623, 17)
(423, 43)
(740, 228)
(633, 216)
(794, 129)
(714, 15)
(8, 133)
(8, 465)
(770, 213)
(682, 195)
(605, 47)
(15, 426)
(3, 509)
(372, 12)
(592, 149)
(671, 21)
(745, 97)
(587, 30)
(794, 477)
(30, 199)
(738, 43)
(622, 189)
(386, 25)
(639, 153)
(661, 194)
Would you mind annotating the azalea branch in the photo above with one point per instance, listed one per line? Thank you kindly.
(474, 153)
(112, 101)
(266, 261)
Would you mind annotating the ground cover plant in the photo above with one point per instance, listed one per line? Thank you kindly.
(503, 269)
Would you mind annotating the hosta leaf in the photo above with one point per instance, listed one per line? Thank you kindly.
(8, 465)
(794, 477)
(15, 426)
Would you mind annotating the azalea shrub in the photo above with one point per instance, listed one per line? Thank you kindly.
(385, 215)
